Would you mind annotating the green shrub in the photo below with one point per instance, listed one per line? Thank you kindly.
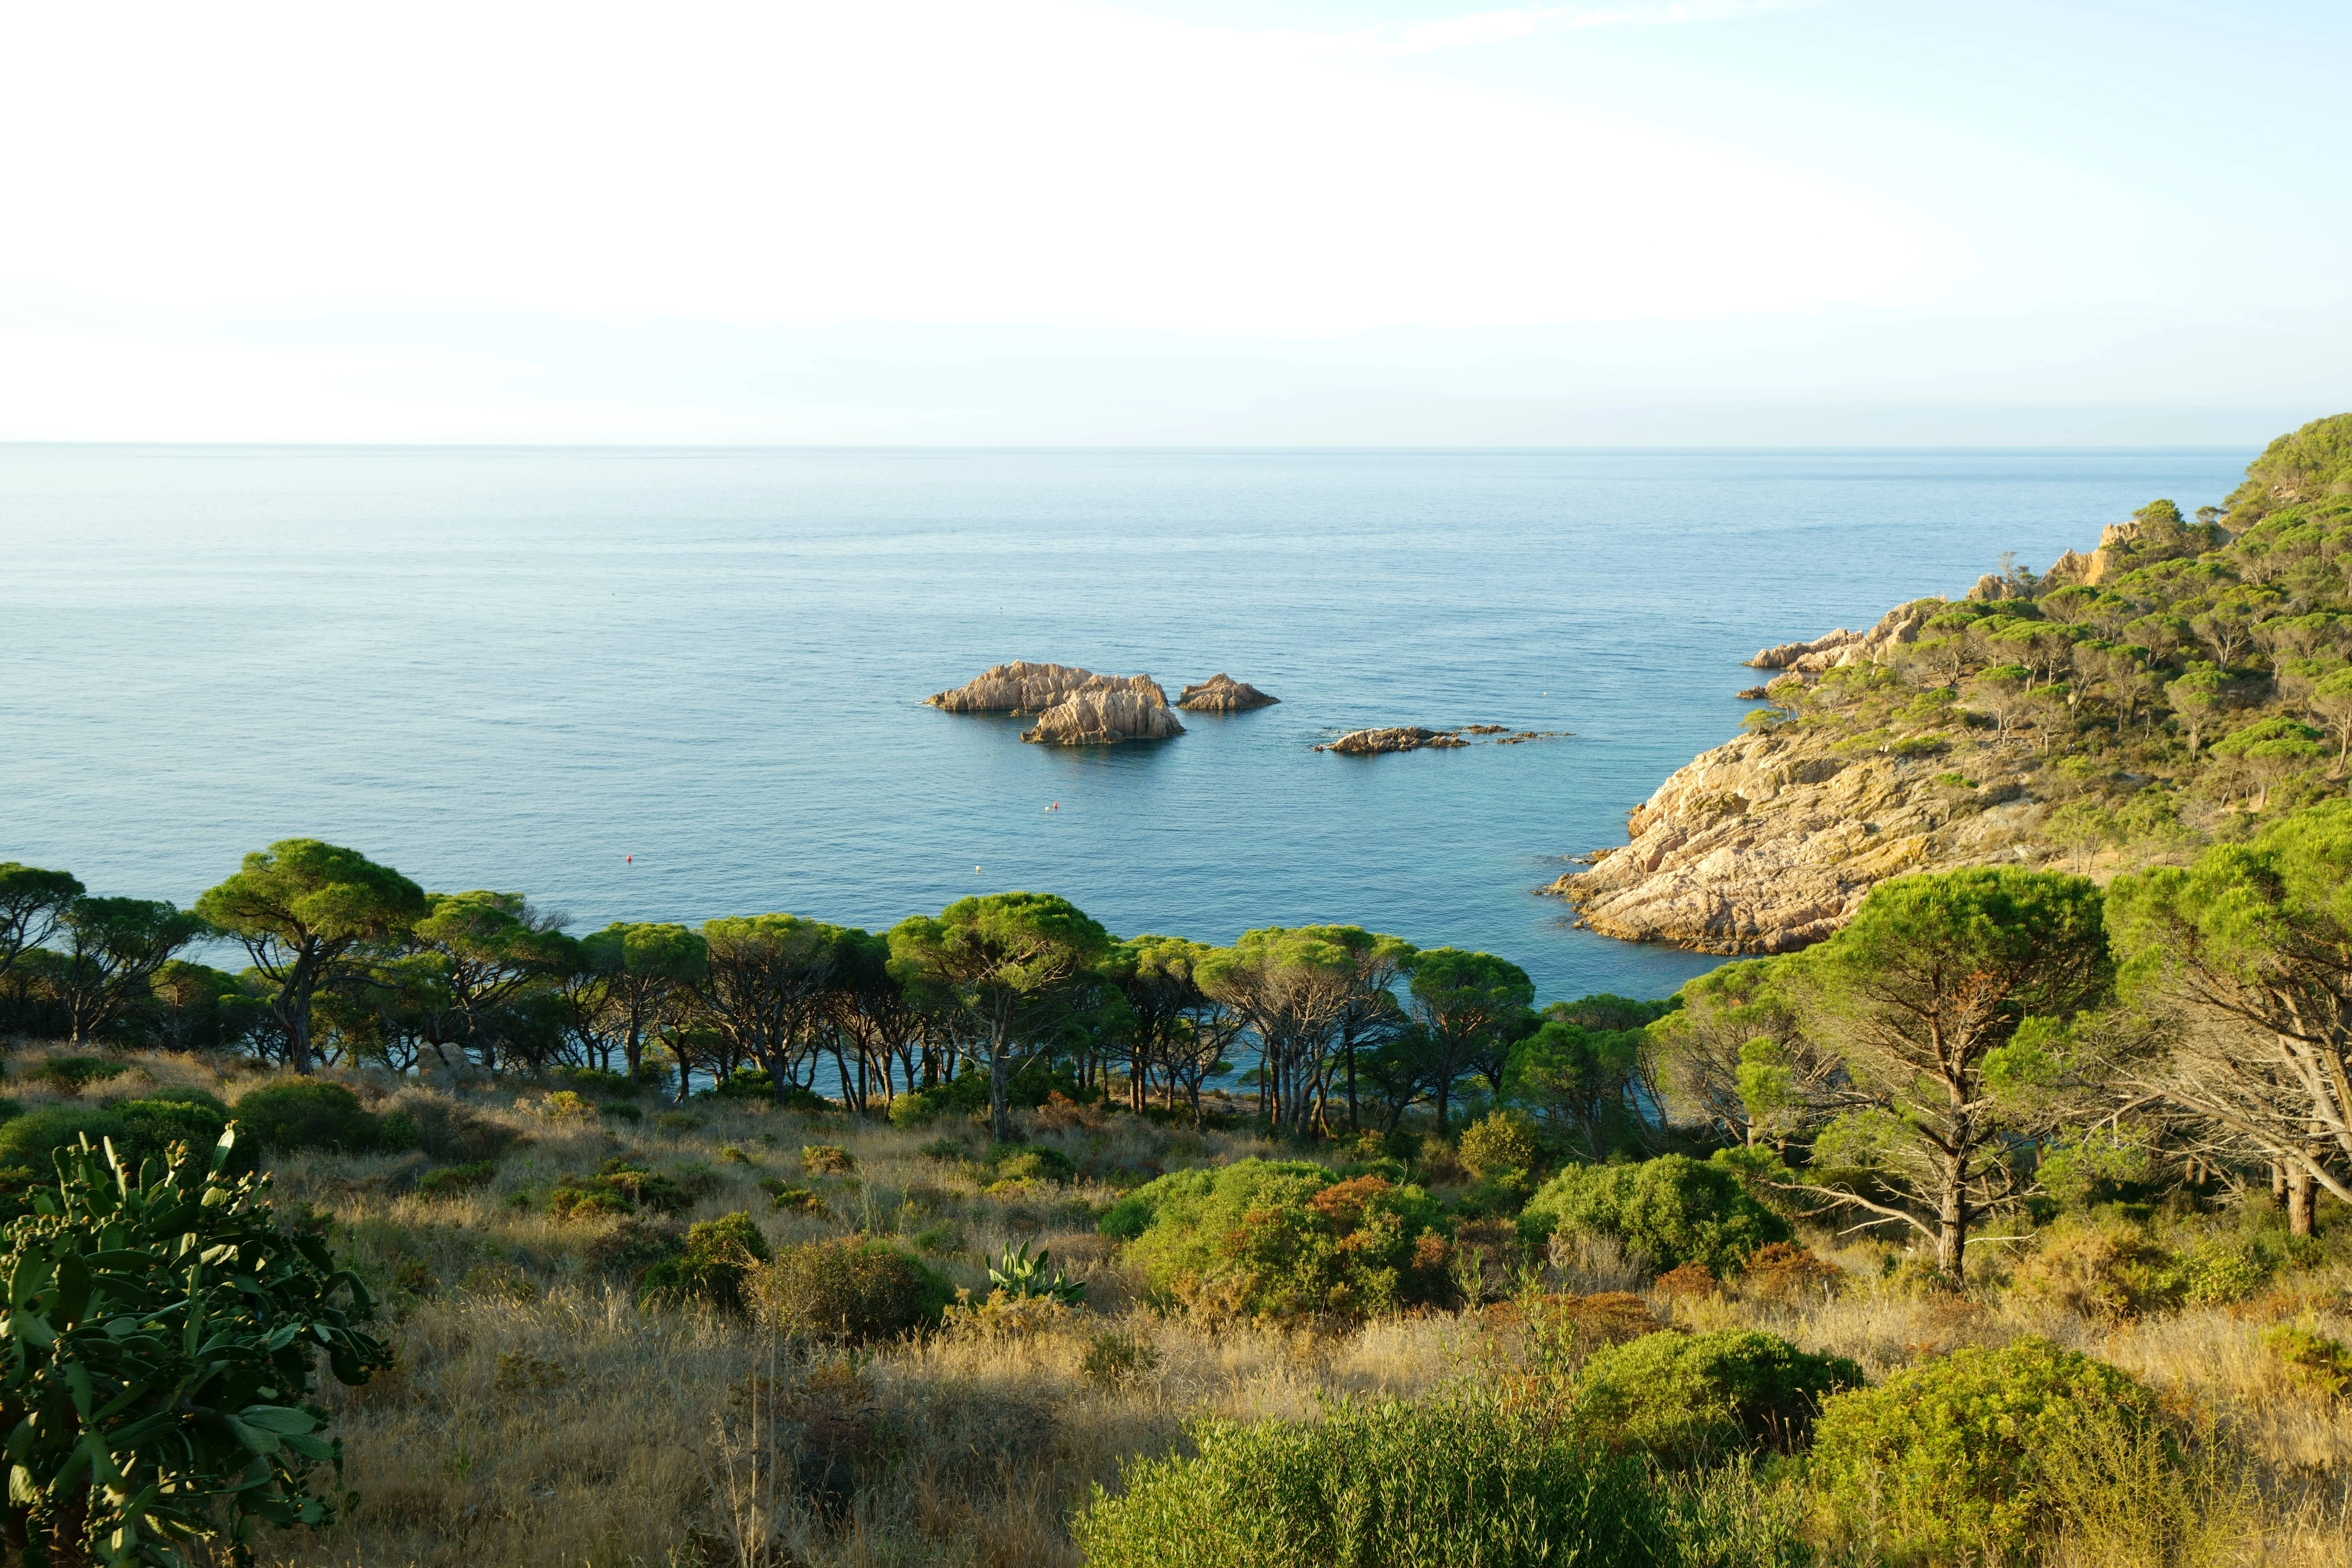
(826, 1160)
(718, 1254)
(305, 1114)
(633, 1246)
(453, 1180)
(1030, 1162)
(914, 1109)
(1692, 1398)
(621, 1110)
(1953, 1456)
(783, 1195)
(1504, 1140)
(2214, 1273)
(448, 1130)
(73, 1074)
(28, 1144)
(2108, 1269)
(849, 1289)
(104, 1376)
(592, 1081)
(1285, 1239)
(1381, 1485)
(2313, 1360)
(1676, 1209)
(677, 1121)
(617, 1188)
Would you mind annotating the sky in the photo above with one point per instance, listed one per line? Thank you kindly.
(1175, 222)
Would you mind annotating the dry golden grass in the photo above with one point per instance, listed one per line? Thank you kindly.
(537, 1417)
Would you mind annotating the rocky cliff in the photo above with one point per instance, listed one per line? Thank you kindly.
(1220, 693)
(1770, 843)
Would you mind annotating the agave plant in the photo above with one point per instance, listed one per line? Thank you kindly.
(1018, 1274)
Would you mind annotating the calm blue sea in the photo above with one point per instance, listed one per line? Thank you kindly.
(515, 669)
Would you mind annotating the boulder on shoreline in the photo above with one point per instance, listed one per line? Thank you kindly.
(1900, 625)
(1220, 693)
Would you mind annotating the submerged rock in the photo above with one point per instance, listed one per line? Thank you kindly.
(1105, 716)
(1220, 693)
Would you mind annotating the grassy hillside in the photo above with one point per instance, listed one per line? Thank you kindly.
(539, 1414)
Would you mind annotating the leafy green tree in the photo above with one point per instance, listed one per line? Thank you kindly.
(1585, 1081)
(113, 949)
(2330, 702)
(2303, 466)
(302, 909)
(33, 905)
(650, 970)
(1291, 987)
(1015, 966)
(164, 1337)
(2004, 692)
(769, 980)
(2081, 829)
(2252, 947)
(2272, 750)
(2201, 694)
(1177, 1028)
(198, 1007)
(1471, 1006)
(1709, 1050)
(1940, 994)
(487, 948)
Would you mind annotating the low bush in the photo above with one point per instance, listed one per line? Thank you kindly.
(1010, 1162)
(1690, 1399)
(2108, 1269)
(1453, 1480)
(1786, 1273)
(826, 1160)
(1953, 1458)
(1502, 1141)
(28, 1142)
(1286, 1241)
(305, 1114)
(711, 1267)
(848, 1288)
(633, 1246)
(593, 1081)
(73, 1074)
(617, 1188)
(2313, 1360)
(790, 1199)
(448, 1131)
(454, 1181)
(1675, 1209)
(621, 1110)
(914, 1109)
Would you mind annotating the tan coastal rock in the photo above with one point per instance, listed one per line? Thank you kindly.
(1023, 687)
(1900, 625)
(1220, 693)
(1106, 716)
(1396, 738)
(1770, 843)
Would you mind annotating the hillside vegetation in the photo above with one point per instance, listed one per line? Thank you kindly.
(2187, 680)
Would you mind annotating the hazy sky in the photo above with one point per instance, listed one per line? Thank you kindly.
(1175, 221)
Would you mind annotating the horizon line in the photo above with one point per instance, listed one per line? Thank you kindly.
(1368, 449)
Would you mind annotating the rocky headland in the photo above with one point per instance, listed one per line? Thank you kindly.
(1768, 844)
(1220, 693)
(1075, 707)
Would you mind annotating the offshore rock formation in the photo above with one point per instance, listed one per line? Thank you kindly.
(1399, 738)
(1900, 625)
(1105, 716)
(1770, 843)
(1022, 687)
(1075, 707)
(1220, 693)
